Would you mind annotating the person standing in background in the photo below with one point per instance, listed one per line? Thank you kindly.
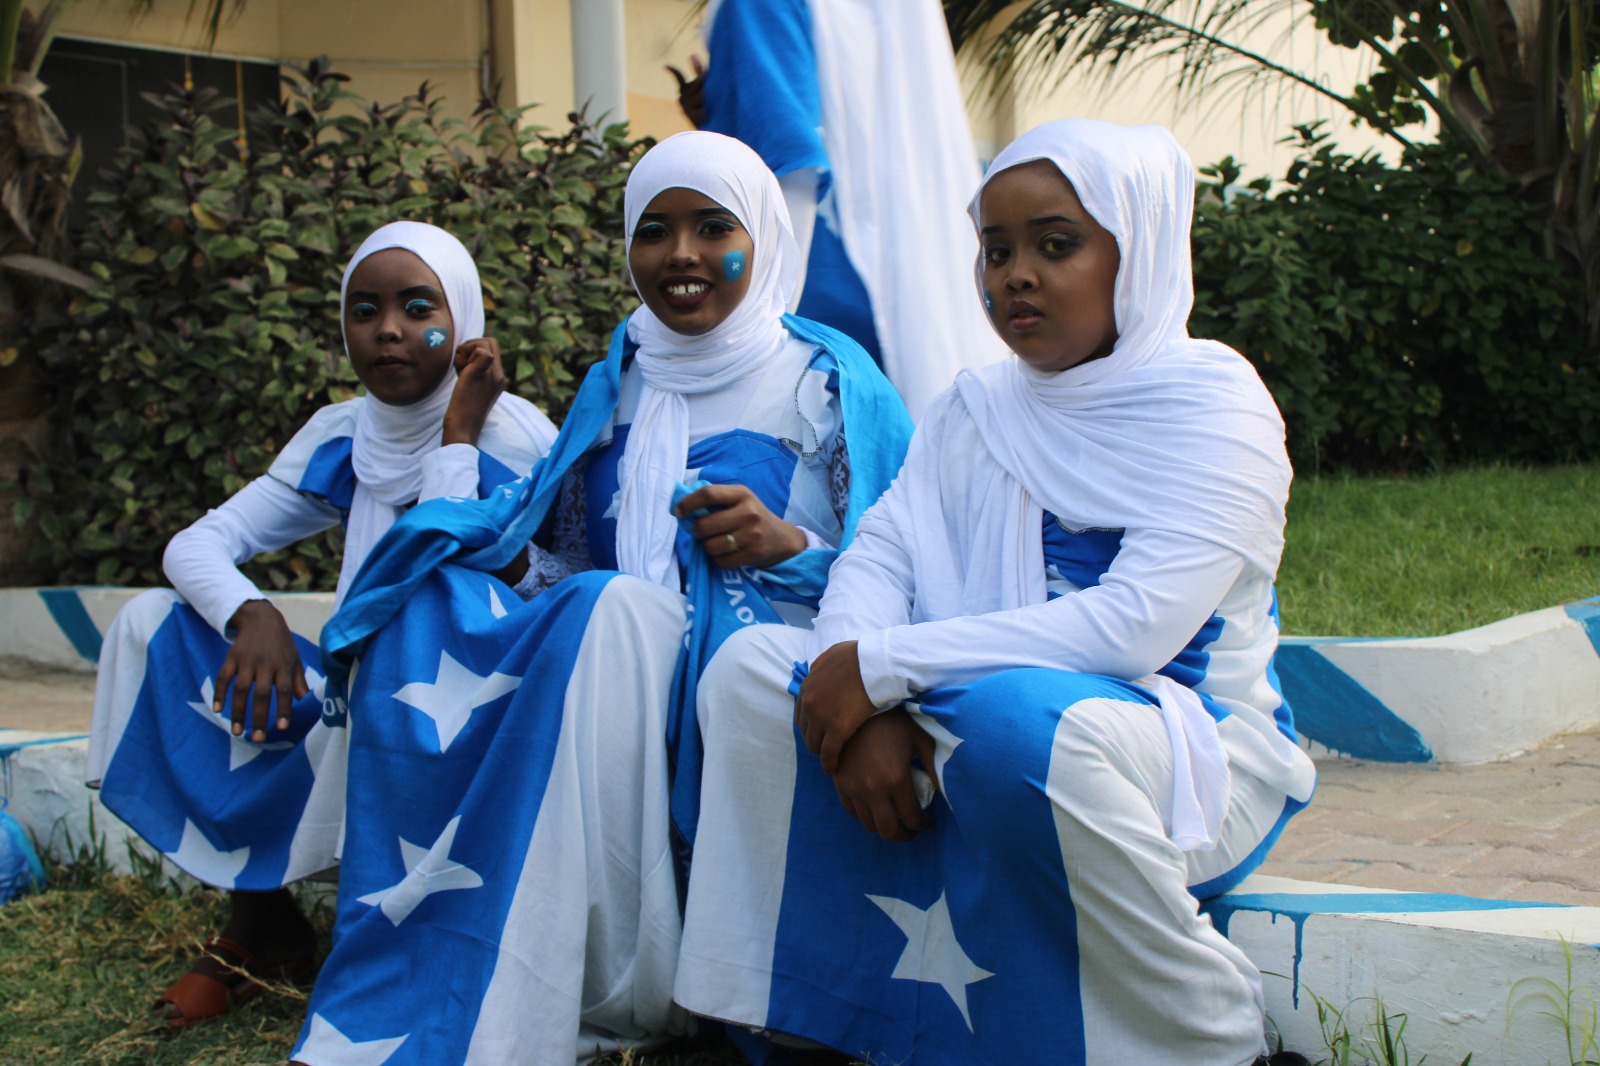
(856, 107)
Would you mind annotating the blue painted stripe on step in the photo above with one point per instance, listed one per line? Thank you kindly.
(1297, 903)
(1337, 711)
(9, 749)
(68, 611)
(1587, 614)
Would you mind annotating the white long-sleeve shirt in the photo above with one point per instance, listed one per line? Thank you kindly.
(202, 561)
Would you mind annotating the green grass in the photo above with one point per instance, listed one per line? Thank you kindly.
(1422, 556)
(82, 961)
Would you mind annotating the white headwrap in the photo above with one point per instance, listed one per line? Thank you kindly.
(673, 364)
(1165, 433)
(390, 441)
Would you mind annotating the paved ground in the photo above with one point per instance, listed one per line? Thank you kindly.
(1528, 828)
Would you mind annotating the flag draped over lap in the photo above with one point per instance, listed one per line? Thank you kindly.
(508, 877)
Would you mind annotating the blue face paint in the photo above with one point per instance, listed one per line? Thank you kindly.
(434, 336)
(988, 301)
(733, 265)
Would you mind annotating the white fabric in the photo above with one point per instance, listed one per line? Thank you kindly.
(202, 561)
(903, 164)
(1166, 432)
(673, 364)
(592, 932)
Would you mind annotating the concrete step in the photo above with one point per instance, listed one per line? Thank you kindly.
(1471, 976)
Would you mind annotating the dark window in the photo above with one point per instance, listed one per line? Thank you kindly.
(95, 89)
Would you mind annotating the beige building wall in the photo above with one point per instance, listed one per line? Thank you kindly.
(1226, 121)
(389, 47)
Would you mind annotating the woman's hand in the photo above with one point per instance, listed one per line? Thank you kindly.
(740, 531)
(874, 779)
(262, 655)
(479, 382)
(833, 703)
(692, 92)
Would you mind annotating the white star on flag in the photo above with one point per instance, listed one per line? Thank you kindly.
(330, 1047)
(429, 870)
(453, 695)
(496, 608)
(240, 750)
(932, 953)
(196, 855)
(944, 745)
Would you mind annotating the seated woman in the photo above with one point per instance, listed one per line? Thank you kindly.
(1041, 679)
(246, 790)
(515, 897)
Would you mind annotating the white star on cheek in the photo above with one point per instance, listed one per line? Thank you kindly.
(198, 856)
(453, 695)
(429, 870)
(326, 1045)
(240, 750)
(932, 953)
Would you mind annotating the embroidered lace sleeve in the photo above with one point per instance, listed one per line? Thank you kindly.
(839, 476)
(568, 553)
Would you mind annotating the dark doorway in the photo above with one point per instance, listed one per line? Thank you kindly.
(95, 89)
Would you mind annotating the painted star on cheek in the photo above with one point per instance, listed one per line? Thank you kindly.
(932, 954)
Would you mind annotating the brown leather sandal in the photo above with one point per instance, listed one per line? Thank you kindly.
(201, 996)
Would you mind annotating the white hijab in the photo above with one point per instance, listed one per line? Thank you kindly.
(390, 441)
(1165, 433)
(674, 365)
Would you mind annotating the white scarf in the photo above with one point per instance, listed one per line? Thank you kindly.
(674, 365)
(390, 441)
(1165, 433)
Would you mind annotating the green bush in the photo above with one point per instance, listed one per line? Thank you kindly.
(1402, 316)
(213, 333)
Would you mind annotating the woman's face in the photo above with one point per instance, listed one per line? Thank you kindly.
(690, 261)
(1049, 269)
(397, 327)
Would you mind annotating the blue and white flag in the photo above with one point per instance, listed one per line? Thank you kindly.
(1045, 915)
(507, 880)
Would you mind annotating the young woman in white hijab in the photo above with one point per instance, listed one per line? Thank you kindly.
(1041, 679)
(245, 790)
(537, 745)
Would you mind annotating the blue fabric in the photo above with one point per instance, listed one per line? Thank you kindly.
(330, 474)
(487, 534)
(991, 862)
(835, 293)
(761, 82)
(485, 784)
(178, 763)
(992, 858)
(20, 869)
